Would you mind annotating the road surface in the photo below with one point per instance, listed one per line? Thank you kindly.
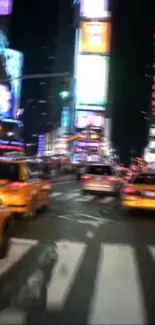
(83, 261)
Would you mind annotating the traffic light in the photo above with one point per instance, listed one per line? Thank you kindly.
(65, 90)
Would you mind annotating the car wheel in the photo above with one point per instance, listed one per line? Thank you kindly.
(4, 247)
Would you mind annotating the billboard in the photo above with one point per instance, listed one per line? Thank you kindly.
(92, 79)
(13, 67)
(95, 37)
(5, 7)
(94, 8)
(90, 108)
(94, 119)
(65, 119)
(6, 101)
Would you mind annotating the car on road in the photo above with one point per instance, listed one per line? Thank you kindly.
(5, 229)
(23, 186)
(100, 178)
(139, 192)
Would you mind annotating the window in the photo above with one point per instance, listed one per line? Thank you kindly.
(10, 171)
(100, 170)
(148, 179)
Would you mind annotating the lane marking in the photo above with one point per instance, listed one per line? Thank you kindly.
(118, 298)
(63, 182)
(107, 199)
(55, 194)
(24, 241)
(12, 316)
(69, 196)
(18, 248)
(70, 258)
(86, 198)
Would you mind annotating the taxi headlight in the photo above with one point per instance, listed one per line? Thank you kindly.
(1, 203)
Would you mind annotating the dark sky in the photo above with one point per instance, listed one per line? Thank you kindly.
(36, 23)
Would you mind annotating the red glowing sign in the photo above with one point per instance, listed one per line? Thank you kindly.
(153, 94)
(153, 103)
(15, 148)
(153, 86)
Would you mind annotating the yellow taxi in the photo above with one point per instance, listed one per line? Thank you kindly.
(5, 229)
(139, 193)
(22, 186)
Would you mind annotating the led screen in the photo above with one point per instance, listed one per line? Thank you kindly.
(94, 8)
(94, 119)
(5, 7)
(92, 79)
(13, 67)
(65, 119)
(95, 37)
(90, 108)
(6, 99)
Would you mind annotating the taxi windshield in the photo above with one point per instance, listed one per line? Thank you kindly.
(146, 179)
(100, 170)
(9, 171)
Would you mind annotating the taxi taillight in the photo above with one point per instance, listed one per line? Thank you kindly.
(129, 190)
(86, 177)
(17, 185)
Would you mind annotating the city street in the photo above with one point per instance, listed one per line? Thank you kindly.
(83, 261)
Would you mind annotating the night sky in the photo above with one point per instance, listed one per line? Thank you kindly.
(36, 24)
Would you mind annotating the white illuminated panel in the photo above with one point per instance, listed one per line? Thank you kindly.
(90, 108)
(94, 8)
(92, 79)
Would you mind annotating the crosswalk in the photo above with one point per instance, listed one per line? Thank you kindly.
(116, 296)
(79, 197)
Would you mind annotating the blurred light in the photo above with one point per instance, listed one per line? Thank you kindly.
(64, 94)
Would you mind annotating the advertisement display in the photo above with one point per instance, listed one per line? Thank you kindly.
(13, 68)
(90, 108)
(92, 79)
(95, 37)
(5, 7)
(65, 119)
(93, 119)
(6, 101)
(94, 8)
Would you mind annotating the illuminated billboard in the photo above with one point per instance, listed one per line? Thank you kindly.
(6, 99)
(94, 8)
(92, 79)
(13, 67)
(5, 7)
(95, 37)
(93, 119)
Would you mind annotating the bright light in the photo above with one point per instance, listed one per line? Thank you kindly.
(64, 94)
(92, 79)
(94, 8)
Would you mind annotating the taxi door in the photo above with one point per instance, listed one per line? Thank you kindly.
(35, 184)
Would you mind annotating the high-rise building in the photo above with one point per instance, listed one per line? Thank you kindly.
(91, 64)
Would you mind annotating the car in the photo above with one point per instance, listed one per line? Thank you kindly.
(23, 187)
(6, 223)
(139, 192)
(100, 178)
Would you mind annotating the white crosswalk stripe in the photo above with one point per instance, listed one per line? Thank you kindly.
(86, 198)
(55, 194)
(117, 295)
(78, 197)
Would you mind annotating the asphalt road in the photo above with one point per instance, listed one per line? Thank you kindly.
(83, 261)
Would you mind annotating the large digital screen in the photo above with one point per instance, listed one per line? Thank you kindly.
(90, 108)
(95, 37)
(5, 7)
(6, 101)
(13, 67)
(93, 119)
(65, 119)
(94, 8)
(92, 79)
